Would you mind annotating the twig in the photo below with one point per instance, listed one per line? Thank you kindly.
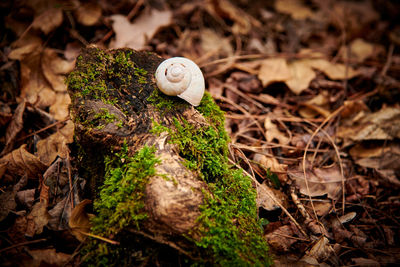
(22, 244)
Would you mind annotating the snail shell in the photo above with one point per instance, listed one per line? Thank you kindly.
(179, 76)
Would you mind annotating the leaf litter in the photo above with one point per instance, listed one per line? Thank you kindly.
(310, 91)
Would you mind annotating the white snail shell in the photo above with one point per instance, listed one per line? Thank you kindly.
(179, 76)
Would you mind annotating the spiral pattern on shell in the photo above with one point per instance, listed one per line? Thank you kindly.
(179, 76)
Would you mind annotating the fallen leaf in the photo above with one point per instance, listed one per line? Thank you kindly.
(49, 257)
(295, 8)
(134, 35)
(55, 145)
(34, 86)
(60, 108)
(264, 198)
(272, 164)
(37, 219)
(242, 22)
(278, 239)
(380, 125)
(301, 74)
(321, 250)
(334, 71)
(274, 70)
(360, 50)
(272, 132)
(88, 14)
(214, 43)
(79, 222)
(26, 197)
(21, 52)
(7, 200)
(14, 127)
(48, 20)
(364, 262)
(21, 162)
(54, 67)
(321, 181)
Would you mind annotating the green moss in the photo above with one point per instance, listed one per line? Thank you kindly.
(228, 225)
(120, 203)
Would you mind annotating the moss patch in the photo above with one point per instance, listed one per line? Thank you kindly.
(120, 203)
(230, 231)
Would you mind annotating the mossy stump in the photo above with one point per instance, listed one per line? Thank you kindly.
(158, 170)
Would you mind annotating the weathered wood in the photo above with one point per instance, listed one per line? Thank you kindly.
(116, 107)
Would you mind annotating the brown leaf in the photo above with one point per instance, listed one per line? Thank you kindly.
(380, 125)
(334, 71)
(80, 220)
(49, 257)
(301, 75)
(56, 144)
(34, 86)
(48, 20)
(321, 250)
(20, 161)
(226, 10)
(21, 52)
(278, 239)
(14, 127)
(7, 200)
(272, 132)
(88, 14)
(134, 35)
(264, 198)
(295, 8)
(321, 181)
(274, 70)
(53, 69)
(60, 108)
(37, 219)
(272, 164)
(26, 197)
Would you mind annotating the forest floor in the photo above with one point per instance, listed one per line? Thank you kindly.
(311, 91)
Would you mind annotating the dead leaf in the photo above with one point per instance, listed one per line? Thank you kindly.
(80, 220)
(20, 161)
(359, 50)
(7, 200)
(134, 35)
(295, 8)
(264, 199)
(49, 257)
(226, 10)
(34, 86)
(380, 125)
(322, 208)
(301, 74)
(364, 262)
(272, 164)
(37, 219)
(321, 250)
(21, 52)
(48, 20)
(54, 67)
(279, 238)
(274, 70)
(14, 127)
(334, 71)
(60, 108)
(214, 43)
(88, 14)
(321, 181)
(26, 197)
(272, 132)
(56, 144)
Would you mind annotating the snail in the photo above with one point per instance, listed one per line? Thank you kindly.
(179, 76)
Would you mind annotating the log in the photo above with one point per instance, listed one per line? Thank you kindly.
(158, 170)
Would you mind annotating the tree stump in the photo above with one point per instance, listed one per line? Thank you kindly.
(158, 170)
